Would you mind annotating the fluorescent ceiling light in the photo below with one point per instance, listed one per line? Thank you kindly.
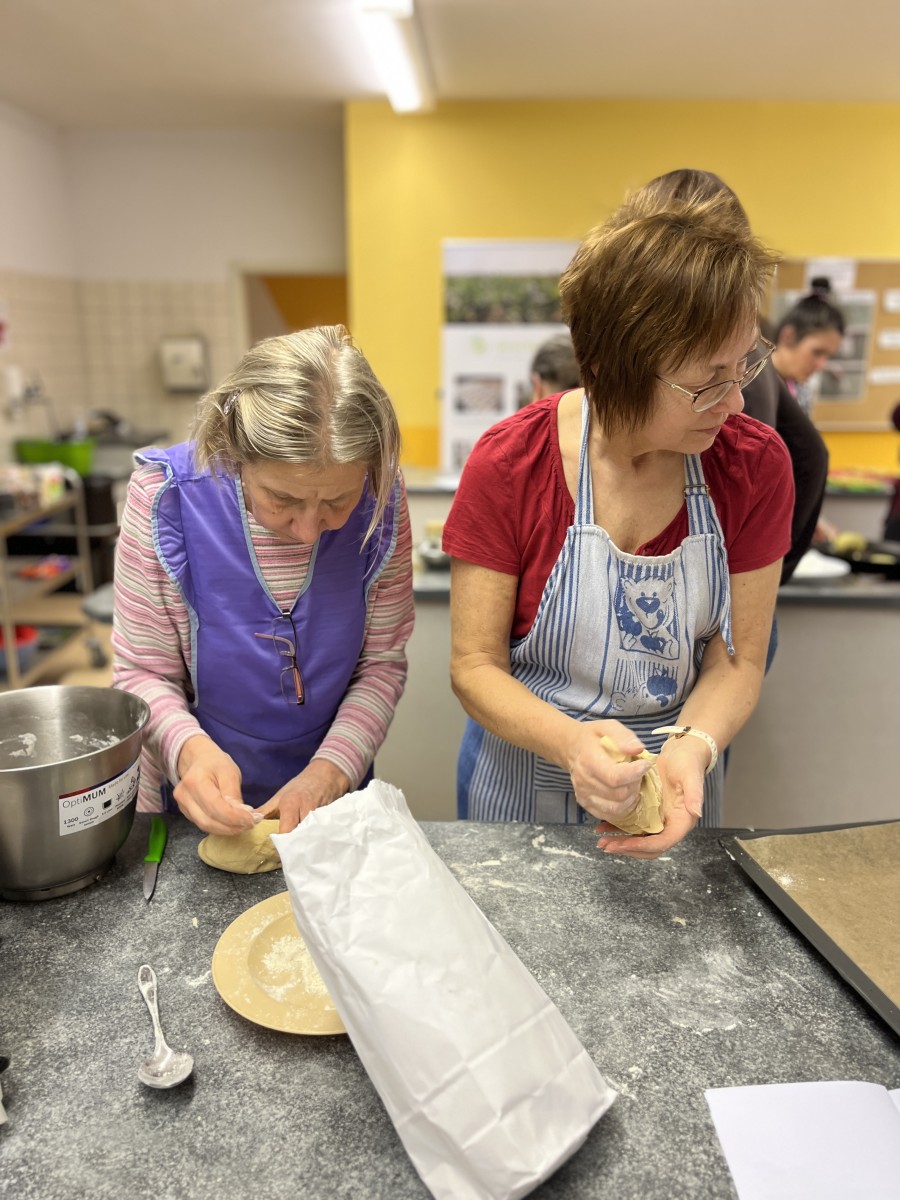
(391, 32)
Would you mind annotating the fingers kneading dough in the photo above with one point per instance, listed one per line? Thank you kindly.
(647, 817)
(248, 853)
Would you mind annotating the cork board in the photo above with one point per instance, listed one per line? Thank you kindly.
(869, 359)
(841, 888)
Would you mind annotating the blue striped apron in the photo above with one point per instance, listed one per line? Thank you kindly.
(616, 636)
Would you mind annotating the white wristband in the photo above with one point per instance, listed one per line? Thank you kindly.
(678, 731)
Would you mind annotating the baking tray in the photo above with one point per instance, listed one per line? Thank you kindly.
(824, 880)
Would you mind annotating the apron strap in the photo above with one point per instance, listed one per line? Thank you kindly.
(584, 499)
(703, 519)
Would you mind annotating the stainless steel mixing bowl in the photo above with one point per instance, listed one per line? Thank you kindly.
(69, 763)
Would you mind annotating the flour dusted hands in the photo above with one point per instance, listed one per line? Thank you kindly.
(317, 785)
(603, 787)
(209, 788)
(681, 765)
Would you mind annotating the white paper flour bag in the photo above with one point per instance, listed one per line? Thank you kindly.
(488, 1087)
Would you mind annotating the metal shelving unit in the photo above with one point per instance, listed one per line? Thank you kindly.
(34, 601)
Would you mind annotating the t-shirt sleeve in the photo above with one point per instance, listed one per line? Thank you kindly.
(481, 525)
(760, 531)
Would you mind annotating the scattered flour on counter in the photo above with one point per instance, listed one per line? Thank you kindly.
(195, 983)
(538, 843)
(621, 1088)
(700, 1000)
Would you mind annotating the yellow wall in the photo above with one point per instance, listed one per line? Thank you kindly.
(816, 179)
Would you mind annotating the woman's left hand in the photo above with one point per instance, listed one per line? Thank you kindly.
(317, 785)
(681, 768)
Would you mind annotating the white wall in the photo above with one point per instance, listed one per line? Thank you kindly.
(186, 205)
(36, 230)
(111, 240)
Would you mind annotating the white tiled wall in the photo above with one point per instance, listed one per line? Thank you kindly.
(94, 344)
(46, 342)
(124, 323)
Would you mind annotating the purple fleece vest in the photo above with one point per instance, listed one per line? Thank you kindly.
(203, 541)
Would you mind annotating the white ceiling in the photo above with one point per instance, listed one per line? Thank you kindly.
(169, 64)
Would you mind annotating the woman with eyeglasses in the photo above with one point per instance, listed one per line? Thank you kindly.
(263, 588)
(771, 397)
(617, 548)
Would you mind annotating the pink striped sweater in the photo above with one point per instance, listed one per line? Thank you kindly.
(152, 646)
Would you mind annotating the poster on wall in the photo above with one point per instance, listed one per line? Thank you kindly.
(501, 301)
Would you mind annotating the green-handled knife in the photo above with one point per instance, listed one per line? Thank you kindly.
(158, 834)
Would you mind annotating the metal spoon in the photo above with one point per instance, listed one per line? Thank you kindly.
(165, 1067)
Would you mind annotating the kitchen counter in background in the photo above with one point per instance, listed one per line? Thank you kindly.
(857, 512)
(676, 976)
(820, 747)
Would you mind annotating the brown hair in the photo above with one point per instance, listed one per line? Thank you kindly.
(654, 287)
(310, 398)
(687, 185)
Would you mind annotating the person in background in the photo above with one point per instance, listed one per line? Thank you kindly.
(263, 588)
(617, 548)
(554, 368)
(807, 336)
(768, 397)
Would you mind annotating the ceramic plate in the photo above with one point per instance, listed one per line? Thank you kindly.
(263, 970)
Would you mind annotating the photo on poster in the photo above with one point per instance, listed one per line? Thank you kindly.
(478, 394)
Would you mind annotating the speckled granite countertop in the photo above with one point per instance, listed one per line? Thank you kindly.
(676, 976)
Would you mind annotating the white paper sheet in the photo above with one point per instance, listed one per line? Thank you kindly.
(487, 1086)
(810, 1141)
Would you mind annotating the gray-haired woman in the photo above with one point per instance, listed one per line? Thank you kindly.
(264, 588)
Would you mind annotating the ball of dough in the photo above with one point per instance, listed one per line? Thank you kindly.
(247, 853)
(647, 817)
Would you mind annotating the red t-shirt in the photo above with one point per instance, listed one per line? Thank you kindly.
(512, 507)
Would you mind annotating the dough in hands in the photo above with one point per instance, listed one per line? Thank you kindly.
(248, 853)
(647, 817)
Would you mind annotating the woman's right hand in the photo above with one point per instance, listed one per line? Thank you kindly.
(606, 789)
(209, 788)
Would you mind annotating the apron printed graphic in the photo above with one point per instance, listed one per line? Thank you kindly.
(642, 687)
(645, 610)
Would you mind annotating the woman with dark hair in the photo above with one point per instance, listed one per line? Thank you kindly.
(807, 336)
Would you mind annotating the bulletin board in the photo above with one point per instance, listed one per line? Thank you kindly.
(861, 385)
